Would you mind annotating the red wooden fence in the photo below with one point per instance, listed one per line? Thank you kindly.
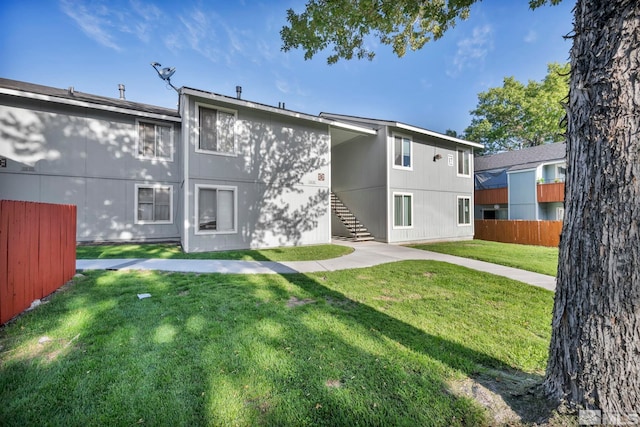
(37, 252)
(539, 233)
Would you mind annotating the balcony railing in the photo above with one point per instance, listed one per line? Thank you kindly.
(552, 192)
(492, 196)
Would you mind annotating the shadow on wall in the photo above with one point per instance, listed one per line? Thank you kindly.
(288, 165)
(70, 156)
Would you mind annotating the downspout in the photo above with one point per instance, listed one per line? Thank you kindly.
(387, 168)
(539, 171)
(183, 109)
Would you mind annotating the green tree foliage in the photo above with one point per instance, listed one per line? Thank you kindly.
(344, 25)
(516, 115)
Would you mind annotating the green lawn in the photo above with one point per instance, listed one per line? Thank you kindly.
(173, 251)
(375, 346)
(539, 259)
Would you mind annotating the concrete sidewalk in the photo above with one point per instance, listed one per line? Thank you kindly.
(365, 254)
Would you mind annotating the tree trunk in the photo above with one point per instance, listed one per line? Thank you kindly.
(594, 356)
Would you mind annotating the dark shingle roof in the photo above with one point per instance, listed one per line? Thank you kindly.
(521, 159)
(85, 97)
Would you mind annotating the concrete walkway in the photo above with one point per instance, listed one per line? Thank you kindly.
(365, 254)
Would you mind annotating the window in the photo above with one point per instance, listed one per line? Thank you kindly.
(464, 162)
(464, 211)
(488, 214)
(402, 210)
(216, 131)
(402, 152)
(154, 204)
(155, 141)
(216, 209)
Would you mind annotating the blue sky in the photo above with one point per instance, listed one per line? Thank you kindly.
(94, 45)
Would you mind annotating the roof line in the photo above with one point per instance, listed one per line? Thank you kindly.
(275, 110)
(405, 126)
(86, 104)
(437, 135)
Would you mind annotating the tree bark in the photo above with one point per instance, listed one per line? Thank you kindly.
(594, 356)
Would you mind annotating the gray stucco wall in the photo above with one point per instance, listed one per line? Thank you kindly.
(522, 195)
(359, 179)
(65, 154)
(280, 174)
(435, 187)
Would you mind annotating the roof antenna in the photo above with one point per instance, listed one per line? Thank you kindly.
(165, 74)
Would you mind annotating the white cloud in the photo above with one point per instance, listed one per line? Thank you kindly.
(96, 24)
(199, 29)
(148, 12)
(473, 49)
(531, 36)
(426, 84)
(200, 35)
(283, 86)
(103, 22)
(290, 86)
(211, 36)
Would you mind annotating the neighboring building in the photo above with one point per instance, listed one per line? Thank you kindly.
(223, 173)
(119, 162)
(405, 183)
(522, 184)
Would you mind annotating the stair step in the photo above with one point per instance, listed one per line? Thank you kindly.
(358, 231)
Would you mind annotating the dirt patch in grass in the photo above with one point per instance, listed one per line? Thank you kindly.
(260, 404)
(513, 399)
(44, 349)
(384, 297)
(333, 383)
(340, 302)
(387, 298)
(296, 302)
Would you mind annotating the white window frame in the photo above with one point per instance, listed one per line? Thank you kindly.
(197, 209)
(155, 156)
(403, 195)
(557, 172)
(463, 224)
(153, 186)
(466, 152)
(393, 151)
(200, 105)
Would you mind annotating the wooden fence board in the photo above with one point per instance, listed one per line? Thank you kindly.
(540, 233)
(37, 252)
(5, 307)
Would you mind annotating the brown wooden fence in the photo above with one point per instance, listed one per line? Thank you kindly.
(540, 233)
(37, 252)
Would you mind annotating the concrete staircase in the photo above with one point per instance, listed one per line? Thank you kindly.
(358, 231)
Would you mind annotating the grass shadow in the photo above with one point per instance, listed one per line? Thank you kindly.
(518, 391)
(228, 349)
(174, 251)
